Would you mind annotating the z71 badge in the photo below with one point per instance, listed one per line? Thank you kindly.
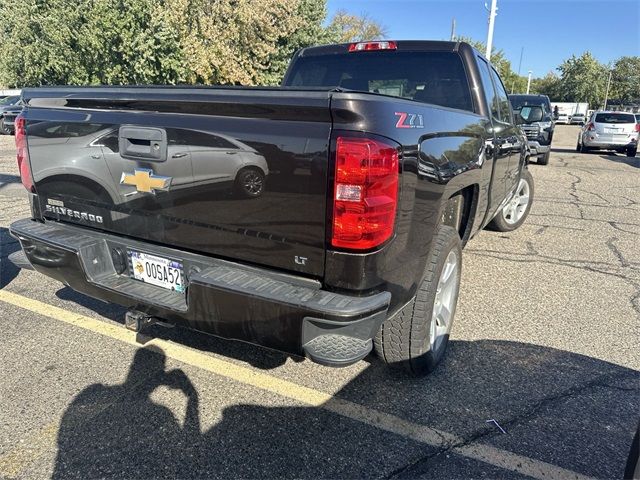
(409, 120)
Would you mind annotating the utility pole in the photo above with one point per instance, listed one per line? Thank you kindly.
(606, 95)
(513, 84)
(453, 29)
(529, 82)
(520, 62)
(492, 19)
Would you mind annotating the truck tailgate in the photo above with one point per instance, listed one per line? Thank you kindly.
(235, 173)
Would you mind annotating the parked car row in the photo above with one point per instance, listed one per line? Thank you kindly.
(604, 130)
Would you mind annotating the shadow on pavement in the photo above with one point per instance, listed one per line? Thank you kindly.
(111, 311)
(8, 245)
(622, 158)
(567, 409)
(7, 178)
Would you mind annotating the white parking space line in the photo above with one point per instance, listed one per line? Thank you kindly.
(14, 461)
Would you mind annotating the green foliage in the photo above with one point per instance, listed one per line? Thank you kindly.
(310, 31)
(548, 85)
(345, 27)
(92, 42)
(625, 80)
(87, 42)
(583, 79)
(44, 42)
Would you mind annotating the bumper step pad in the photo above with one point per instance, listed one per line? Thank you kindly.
(337, 350)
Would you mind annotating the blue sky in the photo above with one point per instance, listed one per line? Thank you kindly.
(549, 30)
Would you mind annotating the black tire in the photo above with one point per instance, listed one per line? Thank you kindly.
(631, 152)
(250, 183)
(3, 129)
(544, 159)
(583, 149)
(578, 146)
(404, 339)
(500, 222)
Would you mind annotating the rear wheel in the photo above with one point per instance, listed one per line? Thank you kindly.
(514, 213)
(416, 337)
(3, 128)
(631, 152)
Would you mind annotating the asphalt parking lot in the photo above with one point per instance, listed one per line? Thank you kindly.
(545, 343)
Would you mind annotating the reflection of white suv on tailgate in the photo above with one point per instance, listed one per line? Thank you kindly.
(610, 131)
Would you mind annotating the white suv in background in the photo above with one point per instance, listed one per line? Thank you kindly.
(610, 131)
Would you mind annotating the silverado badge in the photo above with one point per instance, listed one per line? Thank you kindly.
(145, 181)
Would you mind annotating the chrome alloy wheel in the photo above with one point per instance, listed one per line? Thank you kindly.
(517, 206)
(444, 305)
(253, 183)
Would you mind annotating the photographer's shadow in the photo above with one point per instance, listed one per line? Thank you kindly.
(108, 429)
(119, 431)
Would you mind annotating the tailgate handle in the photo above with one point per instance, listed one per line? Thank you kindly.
(143, 143)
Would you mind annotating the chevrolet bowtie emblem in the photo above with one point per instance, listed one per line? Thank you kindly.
(145, 181)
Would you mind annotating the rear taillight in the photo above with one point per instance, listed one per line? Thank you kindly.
(23, 153)
(365, 193)
(368, 46)
(590, 127)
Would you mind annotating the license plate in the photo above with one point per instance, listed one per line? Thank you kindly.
(612, 130)
(158, 271)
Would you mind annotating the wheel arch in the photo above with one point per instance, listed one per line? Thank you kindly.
(89, 183)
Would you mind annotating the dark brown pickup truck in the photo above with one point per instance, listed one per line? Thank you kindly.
(323, 218)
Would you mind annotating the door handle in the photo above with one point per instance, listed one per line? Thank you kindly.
(179, 155)
(232, 153)
(142, 143)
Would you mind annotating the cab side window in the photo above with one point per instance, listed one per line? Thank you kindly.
(503, 100)
(489, 90)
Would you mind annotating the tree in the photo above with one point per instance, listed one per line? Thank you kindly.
(625, 80)
(583, 79)
(345, 27)
(150, 41)
(309, 31)
(87, 42)
(548, 85)
(232, 41)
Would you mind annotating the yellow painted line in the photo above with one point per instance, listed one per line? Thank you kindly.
(12, 463)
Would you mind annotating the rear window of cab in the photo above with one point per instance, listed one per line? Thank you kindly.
(438, 78)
